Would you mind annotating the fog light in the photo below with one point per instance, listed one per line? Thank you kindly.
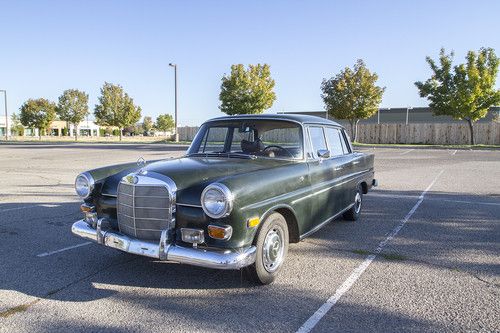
(87, 208)
(195, 236)
(219, 232)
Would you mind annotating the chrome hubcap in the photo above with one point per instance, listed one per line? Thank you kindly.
(272, 253)
(357, 203)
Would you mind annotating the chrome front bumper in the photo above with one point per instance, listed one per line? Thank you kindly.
(223, 259)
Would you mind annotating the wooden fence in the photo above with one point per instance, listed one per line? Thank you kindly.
(442, 134)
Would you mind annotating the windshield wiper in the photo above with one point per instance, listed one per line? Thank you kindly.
(228, 155)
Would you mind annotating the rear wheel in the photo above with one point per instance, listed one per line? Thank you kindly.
(355, 211)
(272, 248)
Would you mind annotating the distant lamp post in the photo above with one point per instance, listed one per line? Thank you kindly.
(175, 120)
(378, 114)
(407, 113)
(6, 116)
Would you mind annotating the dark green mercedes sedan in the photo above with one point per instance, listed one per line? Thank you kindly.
(247, 187)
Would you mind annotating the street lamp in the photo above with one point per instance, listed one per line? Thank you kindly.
(407, 113)
(6, 116)
(378, 114)
(175, 120)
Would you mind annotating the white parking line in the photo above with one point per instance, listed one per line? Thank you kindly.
(31, 206)
(316, 317)
(454, 152)
(63, 249)
(406, 152)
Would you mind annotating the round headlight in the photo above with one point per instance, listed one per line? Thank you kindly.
(84, 184)
(217, 200)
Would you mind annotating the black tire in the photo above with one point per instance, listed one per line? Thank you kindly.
(354, 212)
(272, 231)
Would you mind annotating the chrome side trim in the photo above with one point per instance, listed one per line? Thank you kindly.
(322, 224)
(188, 205)
(216, 259)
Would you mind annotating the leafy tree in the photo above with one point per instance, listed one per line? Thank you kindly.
(16, 127)
(73, 107)
(465, 91)
(147, 125)
(352, 95)
(164, 123)
(38, 113)
(116, 108)
(247, 91)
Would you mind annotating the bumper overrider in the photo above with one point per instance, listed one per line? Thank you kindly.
(163, 250)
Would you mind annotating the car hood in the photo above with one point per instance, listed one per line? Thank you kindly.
(192, 174)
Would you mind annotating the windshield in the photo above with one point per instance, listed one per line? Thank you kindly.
(249, 138)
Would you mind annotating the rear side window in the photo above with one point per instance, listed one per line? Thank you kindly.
(336, 142)
(317, 139)
(345, 142)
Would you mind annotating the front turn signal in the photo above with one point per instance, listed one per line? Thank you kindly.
(218, 232)
(253, 222)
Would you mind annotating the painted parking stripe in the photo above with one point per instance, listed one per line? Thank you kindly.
(31, 206)
(358, 271)
(454, 152)
(406, 152)
(45, 254)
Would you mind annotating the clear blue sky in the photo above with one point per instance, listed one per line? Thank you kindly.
(49, 46)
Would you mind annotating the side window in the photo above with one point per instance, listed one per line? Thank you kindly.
(317, 139)
(344, 138)
(214, 140)
(335, 141)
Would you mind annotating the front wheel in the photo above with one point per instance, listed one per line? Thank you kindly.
(272, 248)
(355, 211)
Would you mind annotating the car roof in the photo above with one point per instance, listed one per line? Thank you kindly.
(299, 118)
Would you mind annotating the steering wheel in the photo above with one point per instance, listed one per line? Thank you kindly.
(280, 148)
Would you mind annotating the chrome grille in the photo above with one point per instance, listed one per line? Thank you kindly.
(146, 207)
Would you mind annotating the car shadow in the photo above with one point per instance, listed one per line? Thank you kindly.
(93, 272)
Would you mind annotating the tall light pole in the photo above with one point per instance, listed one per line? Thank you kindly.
(378, 114)
(407, 113)
(175, 120)
(6, 116)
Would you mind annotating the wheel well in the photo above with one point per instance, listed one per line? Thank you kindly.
(364, 187)
(291, 221)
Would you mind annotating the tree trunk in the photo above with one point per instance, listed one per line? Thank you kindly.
(353, 133)
(76, 132)
(471, 127)
(39, 134)
(121, 133)
(356, 129)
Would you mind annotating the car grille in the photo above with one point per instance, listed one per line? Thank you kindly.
(145, 210)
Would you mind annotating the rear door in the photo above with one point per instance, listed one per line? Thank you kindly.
(341, 161)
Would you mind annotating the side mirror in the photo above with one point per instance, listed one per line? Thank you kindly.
(323, 153)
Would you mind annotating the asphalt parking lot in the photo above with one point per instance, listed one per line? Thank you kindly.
(425, 256)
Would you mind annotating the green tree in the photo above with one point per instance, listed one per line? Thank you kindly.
(16, 127)
(73, 106)
(247, 91)
(352, 95)
(164, 123)
(147, 125)
(38, 113)
(116, 108)
(465, 91)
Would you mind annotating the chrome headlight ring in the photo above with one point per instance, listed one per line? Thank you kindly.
(84, 185)
(217, 200)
